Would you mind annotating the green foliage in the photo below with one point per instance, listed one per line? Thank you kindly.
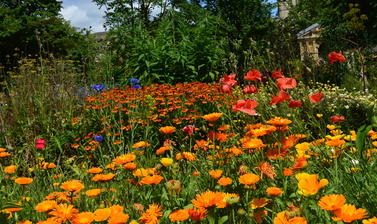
(41, 96)
(187, 40)
(34, 27)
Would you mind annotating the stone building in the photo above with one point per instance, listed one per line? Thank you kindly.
(284, 6)
(308, 38)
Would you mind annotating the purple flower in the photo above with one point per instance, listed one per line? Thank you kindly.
(137, 86)
(98, 138)
(98, 88)
(134, 80)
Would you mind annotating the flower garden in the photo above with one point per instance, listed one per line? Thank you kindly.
(254, 148)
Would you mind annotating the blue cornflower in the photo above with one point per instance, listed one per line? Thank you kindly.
(134, 80)
(98, 88)
(98, 138)
(137, 86)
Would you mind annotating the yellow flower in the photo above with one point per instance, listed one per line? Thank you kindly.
(166, 161)
(319, 115)
(331, 127)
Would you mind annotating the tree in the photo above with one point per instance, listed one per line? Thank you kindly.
(30, 27)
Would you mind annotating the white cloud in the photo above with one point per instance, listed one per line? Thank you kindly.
(83, 14)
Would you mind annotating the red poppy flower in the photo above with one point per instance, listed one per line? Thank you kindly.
(337, 118)
(246, 106)
(334, 56)
(294, 104)
(283, 96)
(253, 75)
(229, 80)
(226, 88)
(286, 83)
(250, 89)
(316, 97)
(277, 74)
(189, 129)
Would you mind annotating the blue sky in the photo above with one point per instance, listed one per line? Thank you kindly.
(86, 14)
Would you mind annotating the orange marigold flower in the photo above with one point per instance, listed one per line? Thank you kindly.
(72, 186)
(258, 203)
(283, 218)
(150, 216)
(300, 163)
(249, 179)
(95, 170)
(308, 184)
(84, 218)
(332, 202)
(370, 221)
(208, 199)
(140, 144)
(155, 179)
(268, 170)
(64, 212)
(274, 191)
(197, 214)
(4, 154)
(179, 215)
(103, 177)
(335, 142)
(143, 172)
(167, 130)
(225, 181)
(102, 214)
(23, 180)
(287, 172)
(258, 215)
(130, 166)
(118, 218)
(162, 150)
(25, 222)
(10, 169)
(216, 173)
(253, 143)
(212, 117)
(93, 193)
(348, 213)
(45, 206)
(125, 158)
(277, 121)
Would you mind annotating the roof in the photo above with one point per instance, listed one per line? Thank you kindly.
(308, 30)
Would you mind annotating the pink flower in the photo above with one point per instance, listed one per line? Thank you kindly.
(40, 143)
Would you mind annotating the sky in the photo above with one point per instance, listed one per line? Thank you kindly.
(83, 14)
(86, 14)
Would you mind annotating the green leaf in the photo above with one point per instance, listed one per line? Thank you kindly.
(374, 121)
(223, 219)
(361, 137)
(211, 220)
